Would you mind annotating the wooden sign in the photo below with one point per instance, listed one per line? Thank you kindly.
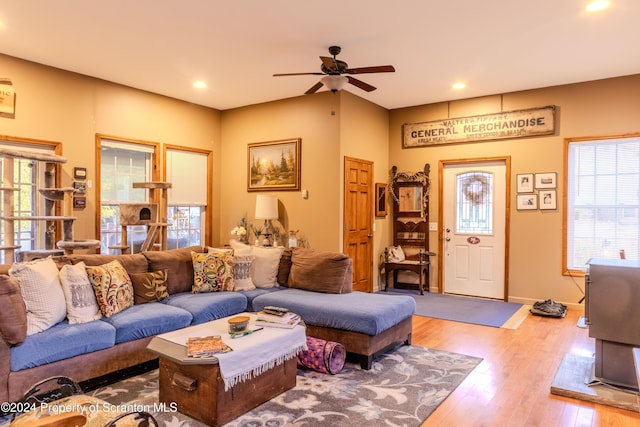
(7, 98)
(505, 125)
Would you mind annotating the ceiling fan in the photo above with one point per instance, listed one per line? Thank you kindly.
(333, 70)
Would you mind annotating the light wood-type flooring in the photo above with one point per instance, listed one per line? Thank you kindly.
(510, 388)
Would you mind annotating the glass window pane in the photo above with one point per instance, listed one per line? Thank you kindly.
(603, 200)
(474, 201)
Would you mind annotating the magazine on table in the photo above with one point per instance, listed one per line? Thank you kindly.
(267, 316)
(206, 346)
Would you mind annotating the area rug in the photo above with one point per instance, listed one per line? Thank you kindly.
(571, 381)
(461, 309)
(402, 389)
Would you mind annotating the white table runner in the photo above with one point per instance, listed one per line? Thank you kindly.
(252, 354)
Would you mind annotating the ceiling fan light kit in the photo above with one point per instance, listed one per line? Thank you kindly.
(333, 70)
(334, 82)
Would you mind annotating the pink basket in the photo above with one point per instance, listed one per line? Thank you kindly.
(323, 356)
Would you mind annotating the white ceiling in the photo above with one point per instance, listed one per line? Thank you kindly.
(235, 46)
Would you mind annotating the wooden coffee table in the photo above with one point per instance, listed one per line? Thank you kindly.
(197, 386)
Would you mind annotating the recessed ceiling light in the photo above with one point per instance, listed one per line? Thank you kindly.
(598, 5)
(200, 85)
(459, 85)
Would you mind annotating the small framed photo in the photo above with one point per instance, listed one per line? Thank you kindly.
(381, 199)
(80, 173)
(79, 202)
(80, 186)
(546, 180)
(526, 202)
(548, 199)
(524, 183)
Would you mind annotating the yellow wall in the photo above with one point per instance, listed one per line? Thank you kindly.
(56, 105)
(604, 107)
(309, 118)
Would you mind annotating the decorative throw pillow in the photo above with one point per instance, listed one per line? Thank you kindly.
(13, 316)
(264, 270)
(212, 272)
(149, 287)
(42, 293)
(81, 301)
(112, 286)
(242, 273)
(328, 272)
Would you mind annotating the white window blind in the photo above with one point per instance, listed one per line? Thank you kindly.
(603, 203)
(187, 172)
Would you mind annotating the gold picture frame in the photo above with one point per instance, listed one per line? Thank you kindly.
(274, 165)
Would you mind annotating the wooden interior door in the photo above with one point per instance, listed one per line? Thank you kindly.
(358, 220)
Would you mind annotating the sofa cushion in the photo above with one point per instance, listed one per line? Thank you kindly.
(145, 320)
(179, 264)
(133, 263)
(328, 272)
(356, 311)
(209, 306)
(250, 295)
(13, 316)
(284, 268)
(81, 301)
(42, 293)
(150, 286)
(61, 342)
(112, 286)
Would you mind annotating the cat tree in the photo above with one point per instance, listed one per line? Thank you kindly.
(148, 214)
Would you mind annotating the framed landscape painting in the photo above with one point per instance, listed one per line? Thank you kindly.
(274, 166)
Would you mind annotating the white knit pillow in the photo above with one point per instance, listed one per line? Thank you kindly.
(42, 293)
(78, 293)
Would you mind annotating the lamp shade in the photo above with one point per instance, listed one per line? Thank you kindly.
(266, 207)
(334, 82)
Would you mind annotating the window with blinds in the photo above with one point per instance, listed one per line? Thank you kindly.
(122, 164)
(187, 171)
(602, 204)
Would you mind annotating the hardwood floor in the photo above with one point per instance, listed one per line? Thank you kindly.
(510, 388)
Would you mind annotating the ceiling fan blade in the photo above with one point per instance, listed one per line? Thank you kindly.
(362, 85)
(314, 88)
(298, 74)
(365, 70)
(330, 63)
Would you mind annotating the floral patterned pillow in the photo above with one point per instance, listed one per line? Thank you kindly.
(212, 272)
(149, 287)
(112, 286)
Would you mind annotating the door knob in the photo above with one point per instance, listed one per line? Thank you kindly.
(448, 239)
(448, 230)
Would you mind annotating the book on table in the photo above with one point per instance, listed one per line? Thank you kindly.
(288, 324)
(276, 318)
(206, 346)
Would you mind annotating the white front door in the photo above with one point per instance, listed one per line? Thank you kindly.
(474, 218)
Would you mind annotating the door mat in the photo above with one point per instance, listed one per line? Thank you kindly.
(477, 311)
(571, 381)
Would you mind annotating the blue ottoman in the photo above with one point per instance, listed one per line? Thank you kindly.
(364, 323)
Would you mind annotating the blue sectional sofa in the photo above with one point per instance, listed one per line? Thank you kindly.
(365, 323)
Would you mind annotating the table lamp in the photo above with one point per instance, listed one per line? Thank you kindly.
(267, 209)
